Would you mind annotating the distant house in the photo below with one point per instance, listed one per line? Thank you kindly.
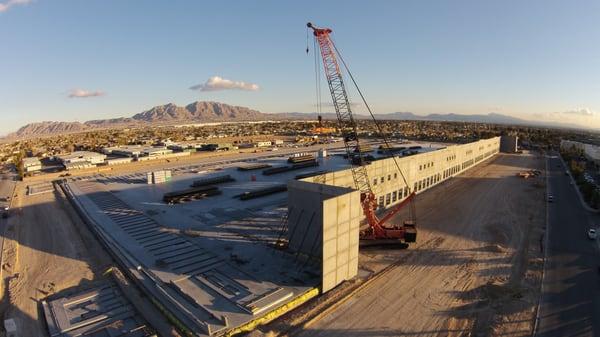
(264, 143)
(81, 159)
(32, 164)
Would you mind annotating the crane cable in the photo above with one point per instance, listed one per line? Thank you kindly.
(317, 79)
(317, 67)
(379, 128)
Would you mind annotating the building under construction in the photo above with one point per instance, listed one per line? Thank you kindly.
(224, 263)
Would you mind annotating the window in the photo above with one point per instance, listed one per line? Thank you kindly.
(419, 186)
(382, 179)
(388, 199)
(420, 167)
(375, 181)
(389, 177)
(395, 175)
(394, 196)
(406, 191)
(381, 201)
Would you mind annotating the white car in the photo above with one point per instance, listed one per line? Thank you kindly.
(592, 234)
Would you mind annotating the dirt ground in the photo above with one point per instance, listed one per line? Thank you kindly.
(46, 249)
(475, 270)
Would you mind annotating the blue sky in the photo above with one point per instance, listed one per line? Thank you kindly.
(529, 59)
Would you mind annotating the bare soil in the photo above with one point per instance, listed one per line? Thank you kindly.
(475, 270)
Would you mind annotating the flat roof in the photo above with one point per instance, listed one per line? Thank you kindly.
(80, 154)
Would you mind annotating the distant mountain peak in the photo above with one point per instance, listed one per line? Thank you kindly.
(197, 112)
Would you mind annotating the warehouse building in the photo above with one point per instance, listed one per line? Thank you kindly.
(136, 151)
(590, 151)
(326, 208)
(93, 158)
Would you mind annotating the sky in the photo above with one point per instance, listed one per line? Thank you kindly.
(77, 60)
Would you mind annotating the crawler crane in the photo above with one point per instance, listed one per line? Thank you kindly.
(379, 230)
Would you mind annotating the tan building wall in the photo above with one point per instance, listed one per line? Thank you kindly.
(323, 225)
(421, 171)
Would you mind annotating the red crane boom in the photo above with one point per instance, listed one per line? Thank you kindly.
(377, 230)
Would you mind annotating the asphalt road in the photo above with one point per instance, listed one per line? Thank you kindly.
(570, 302)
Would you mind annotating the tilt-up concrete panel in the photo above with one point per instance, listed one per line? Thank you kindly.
(323, 223)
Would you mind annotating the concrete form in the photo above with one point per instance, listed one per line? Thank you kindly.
(39, 188)
(194, 280)
(101, 311)
(323, 224)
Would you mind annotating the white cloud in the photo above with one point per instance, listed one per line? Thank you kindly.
(81, 93)
(581, 112)
(582, 117)
(216, 83)
(6, 5)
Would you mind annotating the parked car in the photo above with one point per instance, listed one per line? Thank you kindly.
(592, 234)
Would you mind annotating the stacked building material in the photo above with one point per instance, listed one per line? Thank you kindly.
(253, 166)
(301, 158)
(310, 174)
(281, 169)
(262, 192)
(190, 194)
(158, 177)
(363, 148)
(212, 180)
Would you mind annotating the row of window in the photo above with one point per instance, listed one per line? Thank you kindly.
(425, 183)
(425, 166)
(392, 197)
(451, 171)
(382, 179)
(452, 157)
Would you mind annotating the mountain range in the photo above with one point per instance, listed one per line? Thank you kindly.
(201, 112)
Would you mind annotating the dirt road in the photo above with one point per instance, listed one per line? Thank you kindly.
(44, 252)
(475, 270)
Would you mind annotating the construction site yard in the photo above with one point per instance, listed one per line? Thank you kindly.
(46, 251)
(474, 271)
